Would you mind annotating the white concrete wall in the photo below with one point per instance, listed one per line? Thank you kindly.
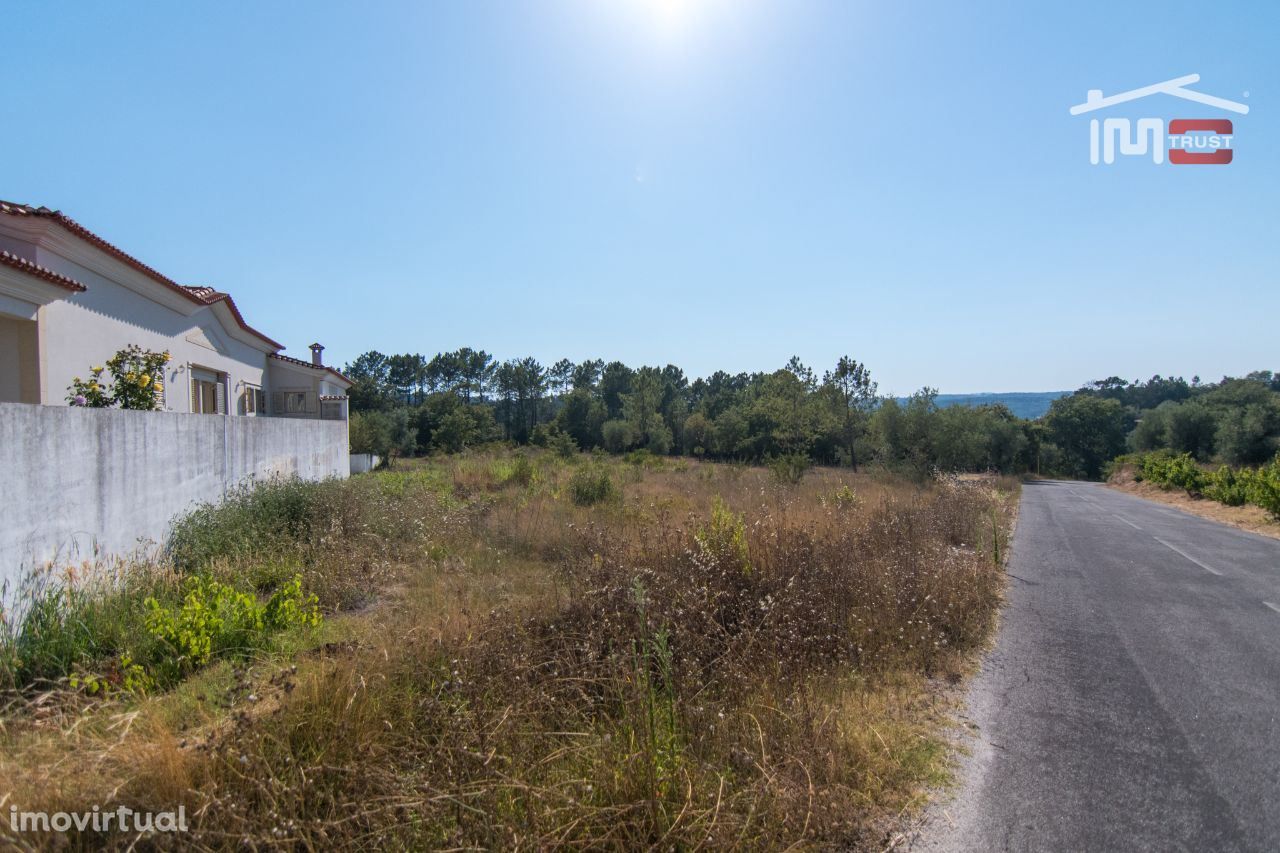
(363, 463)
(73, 479)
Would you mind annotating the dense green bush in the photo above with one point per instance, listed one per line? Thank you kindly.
(619, 436)
(254, 521)
(1231, 486)
(60, 625)
(789, 468)
(591, 485)
(142, 630)
(214, 619)
(1264, 488)
(1228, 486)
(521, 471)
(1172, 471)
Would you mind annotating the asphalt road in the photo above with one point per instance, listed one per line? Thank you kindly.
(1133, 696)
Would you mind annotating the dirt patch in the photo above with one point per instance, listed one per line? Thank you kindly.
(1251, 518)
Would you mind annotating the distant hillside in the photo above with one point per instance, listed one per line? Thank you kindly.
(1024, 404)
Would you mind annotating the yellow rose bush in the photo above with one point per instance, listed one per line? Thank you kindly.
(137, 382)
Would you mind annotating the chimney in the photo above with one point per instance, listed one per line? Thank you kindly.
(316, 350)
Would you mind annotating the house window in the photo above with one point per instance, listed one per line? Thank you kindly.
(295, 403)
(252, 401)
(208, 392)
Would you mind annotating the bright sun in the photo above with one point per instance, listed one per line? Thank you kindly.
(671, 16)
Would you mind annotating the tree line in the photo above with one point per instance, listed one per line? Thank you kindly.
(409, 404)
(1234, 421)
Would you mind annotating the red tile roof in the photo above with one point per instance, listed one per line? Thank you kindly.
(207, 295)
(302, 363)
(88, 236)
(32, 268)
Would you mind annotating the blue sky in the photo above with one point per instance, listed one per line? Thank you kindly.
(711, 183)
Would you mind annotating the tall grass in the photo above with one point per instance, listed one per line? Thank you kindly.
(708, 659)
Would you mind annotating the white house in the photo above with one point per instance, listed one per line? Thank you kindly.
(70, 300)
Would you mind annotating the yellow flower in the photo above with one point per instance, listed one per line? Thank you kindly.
(93, 385)
(98, 369)
(145, 380)
(131, 376)
(159, 385)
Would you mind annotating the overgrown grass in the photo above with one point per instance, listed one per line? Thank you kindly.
(693, 656)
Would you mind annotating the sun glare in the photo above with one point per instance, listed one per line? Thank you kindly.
(672, 17)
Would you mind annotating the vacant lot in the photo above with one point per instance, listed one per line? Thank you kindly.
(516, 650)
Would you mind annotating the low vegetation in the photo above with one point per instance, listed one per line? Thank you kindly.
(1225, 484)
(517, 650)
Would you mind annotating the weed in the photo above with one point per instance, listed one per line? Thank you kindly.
(592, 485)
(723, 540)
(608, 671)
(789, 468)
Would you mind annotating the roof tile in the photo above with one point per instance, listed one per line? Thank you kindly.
(32, 268)
(290, 359)
(14, 209)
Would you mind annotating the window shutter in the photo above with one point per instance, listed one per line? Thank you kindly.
(277, 402)
(220, 398)
(312, 403)
(195, 396)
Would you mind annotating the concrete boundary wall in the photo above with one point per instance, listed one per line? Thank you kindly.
(73, 480)
(363, 463)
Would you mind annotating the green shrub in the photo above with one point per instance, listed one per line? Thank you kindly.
(137, 381)
(521, 471)
(1228, 486)
(61, 626)
(642, 457)
(845, 498)
(562, 444)
(141, 630)
(1169, 471)
(789, 468)
(1264, 488)
(723, 540)
(619, 436)
(216, 620)
(591, 485)
(255, 520)
(1183, 473)
(1151, 467)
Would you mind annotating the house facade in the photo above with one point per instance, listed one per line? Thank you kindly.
(69, 300)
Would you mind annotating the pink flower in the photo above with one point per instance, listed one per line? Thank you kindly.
(79, 400)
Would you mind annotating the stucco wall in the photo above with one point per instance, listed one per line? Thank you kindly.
(72, 478)
(86, 329)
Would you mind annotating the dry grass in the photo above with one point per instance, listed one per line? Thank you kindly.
(1248, 517)
(641, 672)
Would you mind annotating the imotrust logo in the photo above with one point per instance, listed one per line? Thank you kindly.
(1191, 141)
